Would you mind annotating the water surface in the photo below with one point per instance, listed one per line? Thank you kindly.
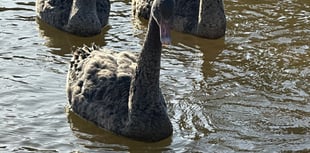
(246, 92)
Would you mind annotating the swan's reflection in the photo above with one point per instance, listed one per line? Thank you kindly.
(61, 42)
(88, 131)
(210, 48)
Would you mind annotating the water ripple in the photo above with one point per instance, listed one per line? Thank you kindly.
(247, 92)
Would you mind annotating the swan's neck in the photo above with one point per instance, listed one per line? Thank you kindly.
(211, 9)
(144, 91)
(211, 19)
(88, 6)
(83, 19)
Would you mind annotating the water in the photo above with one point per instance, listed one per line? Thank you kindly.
(247, 92)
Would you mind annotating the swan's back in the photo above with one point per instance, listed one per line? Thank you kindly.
(98, 85)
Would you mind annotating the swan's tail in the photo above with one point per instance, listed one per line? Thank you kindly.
(80, 53)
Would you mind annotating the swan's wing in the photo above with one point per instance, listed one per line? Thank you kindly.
(54, 12)
(98, 84)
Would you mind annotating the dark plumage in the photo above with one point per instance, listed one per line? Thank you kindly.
(205, 18)
(119, 91)
(80, 17)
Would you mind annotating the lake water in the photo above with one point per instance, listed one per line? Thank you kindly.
(246, 92)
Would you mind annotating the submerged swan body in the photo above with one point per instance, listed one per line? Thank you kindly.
(205, 18)
(80, 17)
(119, 91)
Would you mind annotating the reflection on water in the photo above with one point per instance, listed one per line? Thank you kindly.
(63, 42)
(247, 92)
(84, 130)
(209, 48)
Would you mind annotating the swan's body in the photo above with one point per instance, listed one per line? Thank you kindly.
(205, 18)
(119, 91)
(80, 17)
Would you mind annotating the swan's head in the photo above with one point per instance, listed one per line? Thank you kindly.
(162, 12)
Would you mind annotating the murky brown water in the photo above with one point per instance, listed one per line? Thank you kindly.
(247, 92)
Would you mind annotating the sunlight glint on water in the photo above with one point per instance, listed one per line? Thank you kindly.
(247, 92)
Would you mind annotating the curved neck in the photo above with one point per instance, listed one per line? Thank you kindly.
(211, 8)
(144, 90)
(83, 6)
(150, 56)
(83, 19)
(211, 19)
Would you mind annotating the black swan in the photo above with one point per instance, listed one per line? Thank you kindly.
(80, 17)
(205, 18)
(119, 91)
